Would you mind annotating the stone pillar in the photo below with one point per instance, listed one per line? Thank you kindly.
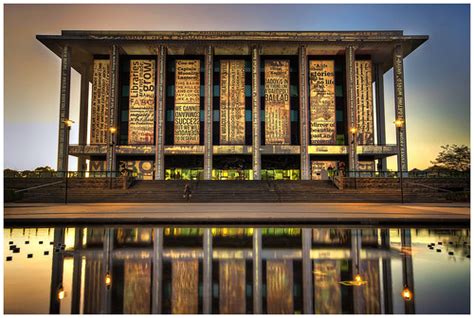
(56, 271)
(113, 107)
(208, 92)
(76, 274)
(380, 110)
(63, 140)
(207, 272)
(257, 271)
(106, 299)
(307, 271)
(351, 107)
(157, 281)
(303, 75)
(398, 79)
(256, 156)
(407, 268)
(83, 113)
(160, 113)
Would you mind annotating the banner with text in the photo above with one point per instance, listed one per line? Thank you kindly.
(187, 102)
(319, 169)
(365, 113)
(277, 102)
(141, 114)
(232, 98)
(322, 102)
(100, 102)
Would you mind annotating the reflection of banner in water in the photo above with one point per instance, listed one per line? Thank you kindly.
(280, 287)
(365, 117)
(141, 114)
(136, 289)
(322, 102)
(92, 284)
(277, 102)
(371, 293)
(100, 102)
(319, 169)
(327, 290)
(329, 236)
(187, 102)
(232, 286)
(232, 98)
(184, 289)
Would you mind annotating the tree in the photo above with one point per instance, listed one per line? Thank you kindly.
(454, 157)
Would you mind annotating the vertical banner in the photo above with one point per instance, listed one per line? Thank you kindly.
(322, 102)
(327, 289)
(232, 286)
(232, 109)
(364, 100)
(187, 102)
(184, 289)
(141, 114)
(100, 101)
(136, 289)
(319, 169)
(280, 287)
(277, 102)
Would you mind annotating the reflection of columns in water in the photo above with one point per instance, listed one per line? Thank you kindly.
(207, 272)
(257, 271)
(76, 275)
(356, 245)
(387, 273)
(57, 271)
(407, 267)
(307, 272)
(107, 268)
(157, 277)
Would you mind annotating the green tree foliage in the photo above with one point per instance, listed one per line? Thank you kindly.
(454, 157)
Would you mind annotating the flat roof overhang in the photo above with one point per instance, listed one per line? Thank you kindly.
(87, 44)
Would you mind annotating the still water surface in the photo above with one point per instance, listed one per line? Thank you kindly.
(141, 269)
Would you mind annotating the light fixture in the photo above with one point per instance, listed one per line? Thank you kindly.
(108, 280)
(68, 122)
(113, 130)
(407, 295)
(353, 130)
(61, 293)
(399, 123)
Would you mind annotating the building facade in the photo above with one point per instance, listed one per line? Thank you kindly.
(232, 105)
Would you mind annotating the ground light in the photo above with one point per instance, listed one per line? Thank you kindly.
(61, 293)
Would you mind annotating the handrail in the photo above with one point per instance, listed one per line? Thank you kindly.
(39, 186)
(406, 174)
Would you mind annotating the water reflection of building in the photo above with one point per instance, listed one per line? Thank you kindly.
(230, 270)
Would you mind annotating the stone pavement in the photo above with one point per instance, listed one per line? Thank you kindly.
(238, 213)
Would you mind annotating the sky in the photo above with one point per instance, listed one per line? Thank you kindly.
(437, 74)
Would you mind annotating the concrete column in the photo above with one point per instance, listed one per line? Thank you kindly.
(76, 274)
(56, 271)
(113, 107)
(64, 102)
(399, 82)
(83, 113)
(256, 156)
(380, 110)
(257, 271)
(407, 268)
(157, 281)
(387, 273)
(307, 272)
(351, 107)
(160, 113)
(107, 268)
(303, 74)
(208, 92)
(207, 272)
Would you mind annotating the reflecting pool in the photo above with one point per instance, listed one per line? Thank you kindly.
(218, 269)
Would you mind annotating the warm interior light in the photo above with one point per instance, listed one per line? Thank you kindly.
(68, 122)
(398, 123)
(108, 280)
(353, 130)
(61, 293)
(407, 294)
(112, 130)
